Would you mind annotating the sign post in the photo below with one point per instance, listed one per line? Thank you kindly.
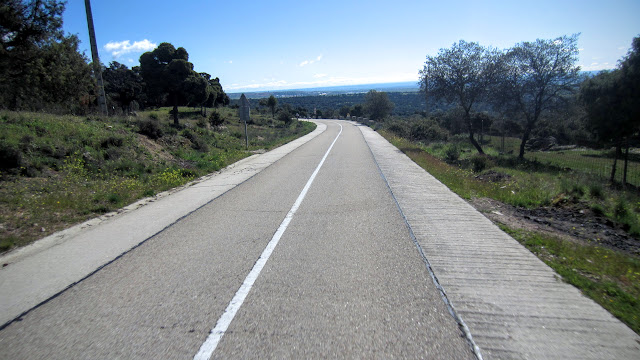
(244, 112)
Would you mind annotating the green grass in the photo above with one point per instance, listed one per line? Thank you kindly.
(609, 277)
(587, 161)
(60, 170)
(534, 182)
(524, 189)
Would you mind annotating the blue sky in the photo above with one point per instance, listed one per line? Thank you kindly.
(286, 44)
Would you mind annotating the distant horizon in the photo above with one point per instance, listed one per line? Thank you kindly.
(398, 84)
(330, 87)
(285, 44)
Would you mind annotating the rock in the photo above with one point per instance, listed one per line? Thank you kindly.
(541, 144)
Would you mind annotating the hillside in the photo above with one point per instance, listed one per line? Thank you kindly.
(56, 171)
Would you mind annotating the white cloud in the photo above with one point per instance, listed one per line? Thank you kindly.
(124, 47)
(323, 81)
(596, 66)
(230, 62)
(309, 62)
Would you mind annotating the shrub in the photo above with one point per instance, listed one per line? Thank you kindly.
(397, 127)
(427, 130)
(202, 123)
(150, 128)
(285, 117)
(188, 134)
(596, 191)
(10, 157)
(597, 210)
(111, 141)
(452, 153)
(620, 209)
(215, 119)
(479, 162)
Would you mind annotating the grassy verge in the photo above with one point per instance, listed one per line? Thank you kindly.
(609, 277)
(56, 171)
(530, 183)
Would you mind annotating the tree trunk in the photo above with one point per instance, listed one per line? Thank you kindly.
(175, 114)
(523, 142)
(471, 138)
(615, 163)
(626, 163)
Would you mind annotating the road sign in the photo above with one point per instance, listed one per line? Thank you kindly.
(243, 110)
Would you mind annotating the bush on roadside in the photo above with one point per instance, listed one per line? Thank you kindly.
(399, 128)
(452, 153)
(479, 162)
(427, 130)
(215, 119)
(150, 128)
(285, 117)
(10, 157)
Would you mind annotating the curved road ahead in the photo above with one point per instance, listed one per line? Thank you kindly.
(344, 278)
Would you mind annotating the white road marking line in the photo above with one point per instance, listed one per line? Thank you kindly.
(216, 334)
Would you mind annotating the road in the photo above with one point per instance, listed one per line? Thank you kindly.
(344, 278)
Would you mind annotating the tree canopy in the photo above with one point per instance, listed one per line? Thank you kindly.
(537, 76)
(461, 75)
(377, 104)
(123, 85)
(612, 102)
(40, 67)
(168, 74)
(272, 102)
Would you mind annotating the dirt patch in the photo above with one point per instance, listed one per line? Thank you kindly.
(572, 223)
(156, 150)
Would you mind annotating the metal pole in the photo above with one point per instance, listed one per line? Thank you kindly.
(246, 135)
(97, 68)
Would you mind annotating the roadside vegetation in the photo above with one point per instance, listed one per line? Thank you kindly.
(56, 171)
(164, 125)
(606, 271)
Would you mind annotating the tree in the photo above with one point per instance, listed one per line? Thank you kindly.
(272, 102)
(168, 73)
(40, 67)
(537, 76)
(600, 98)
(216, 96)
(344, 110)
(377, 105)
(612, 102)
(630, 83)
(357, 110)
(222, 99)
(461, 75)
(123, 85)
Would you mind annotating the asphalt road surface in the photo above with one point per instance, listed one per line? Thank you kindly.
(344, 279)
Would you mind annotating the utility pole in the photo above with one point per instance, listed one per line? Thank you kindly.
(97, 69)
